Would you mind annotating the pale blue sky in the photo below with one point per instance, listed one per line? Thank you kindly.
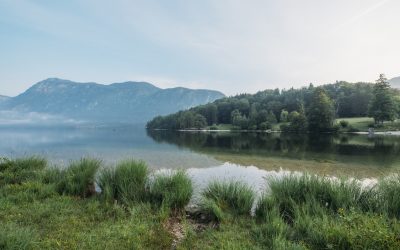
(234, 46)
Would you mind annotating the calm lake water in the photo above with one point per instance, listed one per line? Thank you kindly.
(209, 155)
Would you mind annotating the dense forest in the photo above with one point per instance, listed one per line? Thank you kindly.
(313, 108)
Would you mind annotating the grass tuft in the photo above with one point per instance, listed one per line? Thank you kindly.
(212, 210)
(13, 237)
(126, 183)
(233, 196)
(172, 191)
(265, 208)
(389, 196)
(332, 194)
(17, 171)
(79, 178)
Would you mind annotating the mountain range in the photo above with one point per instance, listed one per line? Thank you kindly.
(133, 102)
(3, 98)
(395, 82)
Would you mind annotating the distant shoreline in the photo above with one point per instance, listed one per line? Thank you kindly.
(396, 133)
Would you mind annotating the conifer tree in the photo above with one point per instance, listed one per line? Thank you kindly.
(382, 107)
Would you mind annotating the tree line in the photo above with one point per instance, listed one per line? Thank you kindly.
(298, 110)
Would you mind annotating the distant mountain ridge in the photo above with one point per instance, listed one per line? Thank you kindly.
(135, 102)
(3, 98)
(395, 82)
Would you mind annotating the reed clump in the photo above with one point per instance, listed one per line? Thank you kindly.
(126, 183)
(229, 196)
(79, 178)
(171, 190)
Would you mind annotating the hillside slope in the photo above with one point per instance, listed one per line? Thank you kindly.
(135, 102)
(395, 82)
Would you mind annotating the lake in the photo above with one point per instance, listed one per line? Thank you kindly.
(207, 155)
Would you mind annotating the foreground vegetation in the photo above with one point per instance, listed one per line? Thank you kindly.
(49, 208)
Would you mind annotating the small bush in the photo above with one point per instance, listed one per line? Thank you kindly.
(344, 124)
(171, 190)
(265, 126)
(79, 178)
(214, 127)
(13, 237)
(235, 197)
(126, 183)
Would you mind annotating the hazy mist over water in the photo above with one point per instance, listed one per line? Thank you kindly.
(62, 144)
(197, 150)
(15, 118)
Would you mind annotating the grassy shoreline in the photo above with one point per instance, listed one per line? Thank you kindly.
(46, 208)
(354, 125)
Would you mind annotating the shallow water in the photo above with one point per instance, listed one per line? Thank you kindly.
(207, 155)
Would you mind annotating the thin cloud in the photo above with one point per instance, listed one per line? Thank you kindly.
(362, 14)
(232, 46)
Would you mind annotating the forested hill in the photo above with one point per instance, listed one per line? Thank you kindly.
(260, 110)
(133, 102)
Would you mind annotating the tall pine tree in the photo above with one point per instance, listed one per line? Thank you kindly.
(382, 107)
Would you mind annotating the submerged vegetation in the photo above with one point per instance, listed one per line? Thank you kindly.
(47, 208)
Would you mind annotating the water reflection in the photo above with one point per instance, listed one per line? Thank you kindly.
(380, 153)
(355, 155)
(60, 145)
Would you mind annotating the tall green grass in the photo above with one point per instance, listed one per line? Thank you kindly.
(79, 178)
(388, 193)
(126, 183)
(296, 212)
(273, 232)
(316, 191)
(265, 208)
(324, 213)
(14, 237)
(349, 230)
(130, 183)
(171, 190)
(16, 171)
(332, 194)
(230, 196)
